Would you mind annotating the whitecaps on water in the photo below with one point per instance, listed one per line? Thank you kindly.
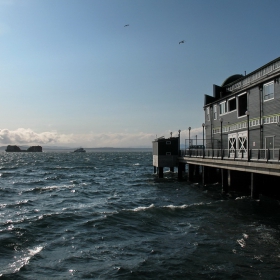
(141, 208)
(173, 207)
(21, 260)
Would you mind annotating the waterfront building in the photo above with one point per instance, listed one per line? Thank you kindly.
(243, 114)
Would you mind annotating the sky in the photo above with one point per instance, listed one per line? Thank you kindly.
(72, 74)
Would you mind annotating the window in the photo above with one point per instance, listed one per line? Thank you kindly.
(242, 104)
(232, 104)
(168, 142)
(215, 112)
(208, 114)
(268, 91)
(223, 108)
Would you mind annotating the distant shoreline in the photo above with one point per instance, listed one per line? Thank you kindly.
(104, 149)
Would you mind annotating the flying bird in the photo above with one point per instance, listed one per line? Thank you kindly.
(182, 42)
(126, 25)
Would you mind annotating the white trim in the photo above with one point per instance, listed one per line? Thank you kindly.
(215, 112)
(237, 105)
(270, 83)
(225, 108)
(208, 113)
(242, 93)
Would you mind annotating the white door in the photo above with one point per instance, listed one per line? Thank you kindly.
(242, 144)
(238, 144)
(232, 140)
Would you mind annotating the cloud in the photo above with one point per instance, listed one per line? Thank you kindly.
(26, 136)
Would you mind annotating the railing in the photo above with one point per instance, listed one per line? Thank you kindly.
(263, 155)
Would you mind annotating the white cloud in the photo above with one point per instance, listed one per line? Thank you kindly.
(27, 136)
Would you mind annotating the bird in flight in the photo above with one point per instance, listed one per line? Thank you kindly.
(126, 25)
(181, 42)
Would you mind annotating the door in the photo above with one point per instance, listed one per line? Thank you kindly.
(269, 145)
(242, 144)
(232, 144)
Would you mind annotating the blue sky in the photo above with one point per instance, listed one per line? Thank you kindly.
(71, 74)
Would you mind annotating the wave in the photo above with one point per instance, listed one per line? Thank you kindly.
(171, 207)
(21, 260)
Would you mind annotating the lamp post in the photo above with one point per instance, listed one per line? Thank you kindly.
(221, 120)
(190, 141)
(179, 149)
(203, 126)
(248, 136)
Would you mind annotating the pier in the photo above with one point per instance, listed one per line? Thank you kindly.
(247, 173)
(240, 146)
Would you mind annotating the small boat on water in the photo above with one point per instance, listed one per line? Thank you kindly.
(80, 150)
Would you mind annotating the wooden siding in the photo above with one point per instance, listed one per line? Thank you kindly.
(257, 109)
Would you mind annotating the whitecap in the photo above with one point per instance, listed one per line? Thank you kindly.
(241, 242)
(21, 261)
(173, 207)
(142, 208)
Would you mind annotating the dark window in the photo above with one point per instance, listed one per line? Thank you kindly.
(232, 105)
(242, 105)
(168, 142)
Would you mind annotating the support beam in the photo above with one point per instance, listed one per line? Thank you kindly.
(181, 168)
(255, 185)
(205, 175)
(224, 177)
(233, 178)
(160, 172)
(196, 171)
(190, 172)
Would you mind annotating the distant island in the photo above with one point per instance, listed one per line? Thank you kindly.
(14, 148)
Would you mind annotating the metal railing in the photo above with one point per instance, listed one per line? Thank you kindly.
(263, 155)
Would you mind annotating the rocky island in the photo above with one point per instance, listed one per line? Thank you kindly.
(14, 148)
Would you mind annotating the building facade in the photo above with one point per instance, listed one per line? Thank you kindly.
(244, 113)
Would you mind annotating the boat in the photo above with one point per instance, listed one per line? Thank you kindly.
(80, 150)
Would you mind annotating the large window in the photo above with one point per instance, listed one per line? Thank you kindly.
(232, 104)
(223, 108)
(208, 113)
(242, 104)
(215, 112)
(268, 91)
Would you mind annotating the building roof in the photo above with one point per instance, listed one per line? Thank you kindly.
(231, 79)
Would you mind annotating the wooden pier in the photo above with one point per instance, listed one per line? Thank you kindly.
(251, 175)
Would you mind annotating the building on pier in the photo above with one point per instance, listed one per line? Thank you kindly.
(165, 153)
(244, 112)
(241, 135)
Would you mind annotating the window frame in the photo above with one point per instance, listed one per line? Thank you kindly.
(224, 103)
(208, 114)
(268, 84)
(215, 113)
(237, 105)
(228, 107)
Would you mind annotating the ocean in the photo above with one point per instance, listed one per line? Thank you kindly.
(105, 215)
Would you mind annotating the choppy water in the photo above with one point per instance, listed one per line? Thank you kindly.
(106, 216)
